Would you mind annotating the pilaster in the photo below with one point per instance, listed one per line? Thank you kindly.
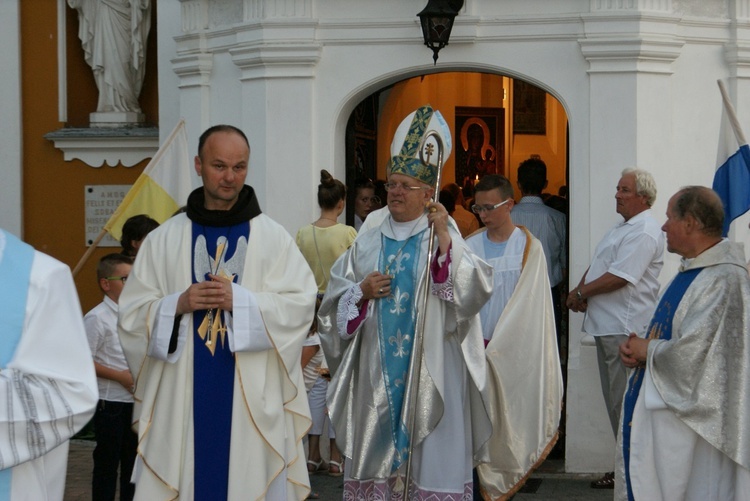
(194, 73)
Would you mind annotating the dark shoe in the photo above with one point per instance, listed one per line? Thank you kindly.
(606, 482)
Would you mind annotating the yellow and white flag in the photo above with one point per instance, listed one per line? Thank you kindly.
(162, 188)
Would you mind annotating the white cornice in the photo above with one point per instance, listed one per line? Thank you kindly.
(194, 70)
(95, 147)
(280, 60)
(624, 55)
(738, 59)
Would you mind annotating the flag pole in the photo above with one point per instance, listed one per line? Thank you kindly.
(157, 156)
(88, 252)
(154, 160)
(731, 114)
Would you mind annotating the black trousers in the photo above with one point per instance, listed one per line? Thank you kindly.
(116, 444)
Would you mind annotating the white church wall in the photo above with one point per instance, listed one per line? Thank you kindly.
(639, 88)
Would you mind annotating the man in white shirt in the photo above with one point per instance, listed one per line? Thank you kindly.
(116, 442)
(618, 292)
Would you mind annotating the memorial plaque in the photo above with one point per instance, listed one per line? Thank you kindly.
(100, 202)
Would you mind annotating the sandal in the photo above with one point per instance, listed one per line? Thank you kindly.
(606, 482)
(315, 466)
(335, 468)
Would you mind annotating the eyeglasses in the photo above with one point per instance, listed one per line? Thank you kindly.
(370, 200)
(402, 186)
(124, 279)
(478, 209)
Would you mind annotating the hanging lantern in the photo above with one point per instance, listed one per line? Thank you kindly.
(437, 22)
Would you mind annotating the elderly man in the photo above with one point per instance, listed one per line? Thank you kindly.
(618, 292)
(686, 419)
(367, 326)
(47, 381)
(518, 324)
(212, 322)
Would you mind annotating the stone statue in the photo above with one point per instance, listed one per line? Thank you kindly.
(113, 34)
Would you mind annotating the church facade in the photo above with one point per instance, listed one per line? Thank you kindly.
(629, 83)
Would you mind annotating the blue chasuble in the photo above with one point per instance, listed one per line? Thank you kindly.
(660, 328)
(15, 272)
(218, 251)
(397, 318)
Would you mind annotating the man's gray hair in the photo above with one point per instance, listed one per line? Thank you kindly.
(704, 205)
(644, 184)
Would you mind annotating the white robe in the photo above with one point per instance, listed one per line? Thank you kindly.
(51, 376)
(524, 375)
(451, 421)
(272, 311)
(690, 432)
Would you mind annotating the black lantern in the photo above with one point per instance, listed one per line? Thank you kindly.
(437, 23)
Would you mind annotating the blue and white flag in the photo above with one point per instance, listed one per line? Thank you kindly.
(732, 178)
(732, 183)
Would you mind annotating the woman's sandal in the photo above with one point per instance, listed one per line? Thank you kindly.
(315, 466)
(335, 468)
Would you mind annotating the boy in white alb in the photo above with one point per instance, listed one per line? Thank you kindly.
(116, 441)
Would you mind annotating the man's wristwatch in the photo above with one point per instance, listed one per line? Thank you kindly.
(579, 296)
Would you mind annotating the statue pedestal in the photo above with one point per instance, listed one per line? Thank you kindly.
(113, 119)
(96, 146)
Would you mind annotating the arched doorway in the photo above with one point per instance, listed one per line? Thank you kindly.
(522, 120)
(497, 121)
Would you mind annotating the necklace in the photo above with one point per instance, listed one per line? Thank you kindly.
(321, 218)
(406, 241)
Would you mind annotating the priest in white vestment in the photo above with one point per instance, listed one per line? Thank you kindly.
(367, 326)
(686, 413)
(518, 324)
(212, 321)
(47, 381)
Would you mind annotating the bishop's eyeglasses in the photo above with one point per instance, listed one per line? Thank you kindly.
(403, 187)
